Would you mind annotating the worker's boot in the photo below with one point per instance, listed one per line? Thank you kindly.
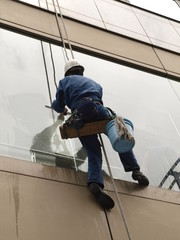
(140, 177)
(102, 198)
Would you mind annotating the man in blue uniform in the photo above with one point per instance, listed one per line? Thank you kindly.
(84, 95)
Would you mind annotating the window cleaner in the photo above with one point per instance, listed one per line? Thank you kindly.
(104, 200)
(84, 96)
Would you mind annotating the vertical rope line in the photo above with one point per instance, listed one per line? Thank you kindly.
(52, 59)
(115, 189)
(64, 26)
(46, 4)
(46, 71)
(49, 90)
(53, 65)
(39, 3)
(59, 29)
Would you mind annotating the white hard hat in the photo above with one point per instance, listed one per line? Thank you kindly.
(70, 64)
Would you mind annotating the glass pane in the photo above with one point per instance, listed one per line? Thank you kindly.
(33, 2)
(29, 73)
(150, 103)
(83, 10)
(30, 129)
(121, 19)
(161, 31)
(168, 8)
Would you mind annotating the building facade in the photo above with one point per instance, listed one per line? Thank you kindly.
(134, 53)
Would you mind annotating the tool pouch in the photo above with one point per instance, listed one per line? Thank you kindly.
(78, 123)
(86, 109)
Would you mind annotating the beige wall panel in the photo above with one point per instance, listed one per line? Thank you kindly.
(146, 219)
(170, 61)
(111, 43)
(38, 209)
(71, 176)
(42, 171)
(26, 17)
(149, 192)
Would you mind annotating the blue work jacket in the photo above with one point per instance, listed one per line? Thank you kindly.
(73, 88)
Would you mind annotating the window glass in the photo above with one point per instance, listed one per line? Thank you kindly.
(168, 8)
(33, 2)
(83, 10)
(150, 103)
(28, 77)
(161, 31)
(176, 88)
(123, 20)
(30, 129)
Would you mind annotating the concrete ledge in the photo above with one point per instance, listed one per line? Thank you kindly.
(71, 176)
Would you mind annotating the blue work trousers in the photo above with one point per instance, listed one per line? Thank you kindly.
(92, 147)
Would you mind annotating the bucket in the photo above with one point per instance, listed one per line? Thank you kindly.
(120, 144)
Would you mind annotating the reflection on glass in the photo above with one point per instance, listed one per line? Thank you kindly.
(160, 7)
(176, 88)
(31, 129)
(27, 123)
(150, 103)
(47, 147)
(123, 20)
(160, 31)
(33, 2)
(174, 173)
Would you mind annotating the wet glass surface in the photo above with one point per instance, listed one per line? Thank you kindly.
(30, 129)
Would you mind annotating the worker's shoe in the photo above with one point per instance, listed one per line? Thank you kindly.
(101, 197)
(140, 177)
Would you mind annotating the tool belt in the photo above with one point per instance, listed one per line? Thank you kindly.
(86, 111)
(83, 120)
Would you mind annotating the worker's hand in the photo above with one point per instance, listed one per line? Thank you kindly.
(65, 111)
